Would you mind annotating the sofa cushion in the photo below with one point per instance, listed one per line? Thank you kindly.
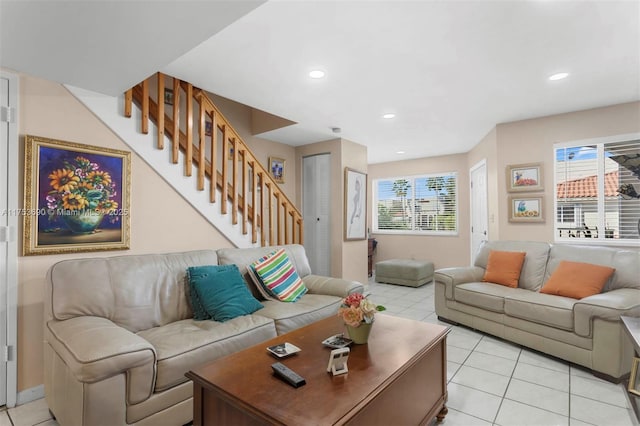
(103, 287)
(183, 345)
(221, 291)
(577, 279)
(555, 311)
(483, 295)
(535, 262)
(310, 308)
(278, 276)
(503, 267)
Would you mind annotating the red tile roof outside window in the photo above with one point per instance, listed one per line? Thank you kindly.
(587, 187)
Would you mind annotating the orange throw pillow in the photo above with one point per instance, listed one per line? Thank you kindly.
(577, 280)
(504, 267)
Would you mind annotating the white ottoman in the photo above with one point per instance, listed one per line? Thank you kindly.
(413, 273)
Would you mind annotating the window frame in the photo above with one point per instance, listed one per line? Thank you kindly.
(601, 239)
(412, 178)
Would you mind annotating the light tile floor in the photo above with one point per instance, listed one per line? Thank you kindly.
(490, 381)
(495, 382)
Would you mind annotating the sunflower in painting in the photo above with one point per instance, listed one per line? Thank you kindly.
(80, 186)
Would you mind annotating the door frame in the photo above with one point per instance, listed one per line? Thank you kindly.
(479, 164)
(13, 160)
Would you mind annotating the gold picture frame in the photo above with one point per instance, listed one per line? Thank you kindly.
(526, 208)
(524, 177)
(355, 205)
(277, 169)
(76, 197)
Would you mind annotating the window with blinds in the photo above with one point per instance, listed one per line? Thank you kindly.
(416, 204)
(597, 195)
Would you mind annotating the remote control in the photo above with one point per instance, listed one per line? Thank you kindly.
(288, 375)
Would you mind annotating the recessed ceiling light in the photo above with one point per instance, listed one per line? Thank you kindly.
(400, 152)
(559, 76)
(316, 74)
(389, 115)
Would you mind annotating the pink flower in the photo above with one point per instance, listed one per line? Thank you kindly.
(353, 299)
(357, 309)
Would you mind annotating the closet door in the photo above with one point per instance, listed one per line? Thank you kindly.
(316, 207)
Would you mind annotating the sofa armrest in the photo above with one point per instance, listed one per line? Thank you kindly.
(95, 348)
(608, 306)
(451, 277)
(317, 284)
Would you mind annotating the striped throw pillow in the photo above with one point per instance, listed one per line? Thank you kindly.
(278, 276)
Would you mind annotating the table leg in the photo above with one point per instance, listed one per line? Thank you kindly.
(441, 414)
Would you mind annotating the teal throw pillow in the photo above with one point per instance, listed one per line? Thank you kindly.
(221, 292)
(199, 312)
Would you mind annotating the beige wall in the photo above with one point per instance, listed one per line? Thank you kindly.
(354, 253)
(443, 251)
(239, 115)
(532, 141)
(161, 221)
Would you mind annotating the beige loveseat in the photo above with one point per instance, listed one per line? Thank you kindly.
(120, 335)
(584, 331)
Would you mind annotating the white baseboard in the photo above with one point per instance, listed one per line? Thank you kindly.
(30, 394)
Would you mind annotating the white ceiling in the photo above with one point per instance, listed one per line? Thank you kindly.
(450, 70)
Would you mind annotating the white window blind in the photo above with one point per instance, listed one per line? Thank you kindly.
(597, 194)
(416, 204)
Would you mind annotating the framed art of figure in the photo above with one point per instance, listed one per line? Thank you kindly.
(76, 197)
(524, 177)
(355, 205)
(276, 168)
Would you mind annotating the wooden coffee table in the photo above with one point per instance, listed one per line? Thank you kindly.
(398, 378)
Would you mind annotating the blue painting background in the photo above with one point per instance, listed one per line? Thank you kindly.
(51, 159)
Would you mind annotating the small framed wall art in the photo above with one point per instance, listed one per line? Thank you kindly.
(76, 197)
(276, 168)
(525, 208)
(524, 177)
(168, 96)
(355, 205)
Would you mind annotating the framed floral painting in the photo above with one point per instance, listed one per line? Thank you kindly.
(76, 197)
(524, 177)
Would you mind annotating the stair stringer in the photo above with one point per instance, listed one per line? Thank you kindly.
(110, 110)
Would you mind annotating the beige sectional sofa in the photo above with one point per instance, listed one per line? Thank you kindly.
(120, 335)
(586, 331)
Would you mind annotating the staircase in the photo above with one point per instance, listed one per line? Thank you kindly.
(185, 137)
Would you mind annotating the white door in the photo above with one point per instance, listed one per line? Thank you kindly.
(316, 206)
(479, 212)
(8, 240)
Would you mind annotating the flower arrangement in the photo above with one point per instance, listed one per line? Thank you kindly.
(356, 309)
(81, 186)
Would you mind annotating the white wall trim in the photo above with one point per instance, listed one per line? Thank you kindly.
(12, 247)
(31, 394)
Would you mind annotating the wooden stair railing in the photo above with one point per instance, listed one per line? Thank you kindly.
(249, 187)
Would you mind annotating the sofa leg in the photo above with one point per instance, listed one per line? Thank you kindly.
(448, 321)
(53, 416)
